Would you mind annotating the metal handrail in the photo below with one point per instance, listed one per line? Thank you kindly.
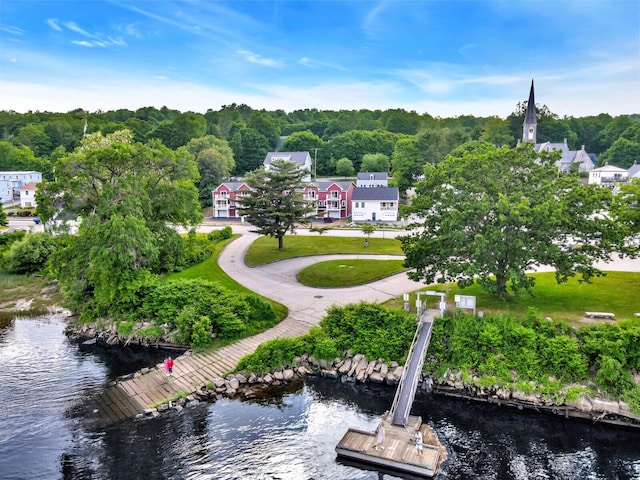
(396, 398)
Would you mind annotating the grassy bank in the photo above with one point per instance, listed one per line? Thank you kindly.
(210, 270)
(616, 292)
(265, 249)
(346, 273)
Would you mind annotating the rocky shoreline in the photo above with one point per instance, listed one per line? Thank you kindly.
(357, 369)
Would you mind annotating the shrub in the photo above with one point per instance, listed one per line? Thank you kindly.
(125, 328)
(201, 333)
(371, 329)
(320, 345)
(29, 255)
(219, 235)
(612, 376)
(272, 355)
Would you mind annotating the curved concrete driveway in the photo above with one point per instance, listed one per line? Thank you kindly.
(307, 305)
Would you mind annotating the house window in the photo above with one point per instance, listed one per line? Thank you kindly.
(344, 203)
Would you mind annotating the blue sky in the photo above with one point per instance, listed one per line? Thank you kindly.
(445, 58)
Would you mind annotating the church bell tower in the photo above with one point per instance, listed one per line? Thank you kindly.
(530, 126)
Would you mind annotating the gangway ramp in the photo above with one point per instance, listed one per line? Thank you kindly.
(406, 391)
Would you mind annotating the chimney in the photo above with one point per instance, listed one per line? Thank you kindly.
(565, 141)
(582, 147)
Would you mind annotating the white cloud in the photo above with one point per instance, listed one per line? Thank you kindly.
(83, 43)
(53, 23)
(11, 29)
(75, 28)
(258, 59)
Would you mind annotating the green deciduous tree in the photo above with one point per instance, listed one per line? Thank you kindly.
(375, 162)
(623, 153)
(250, 148)
(497, 132)
(3, 217)
(265, 124)
(355, 144)
(274, 204)
(490, 217)
(344, 168)
(434, 144)
(126, 196)
(626, 210)
(215, 164)
(407, 164)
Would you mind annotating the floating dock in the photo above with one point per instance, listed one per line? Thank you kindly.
(399, 454)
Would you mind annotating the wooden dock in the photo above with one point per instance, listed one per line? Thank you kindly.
(127, 398)
(399, 452)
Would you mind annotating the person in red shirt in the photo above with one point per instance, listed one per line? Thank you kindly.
(168, 366)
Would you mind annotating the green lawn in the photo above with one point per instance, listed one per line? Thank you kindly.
(210, 270)
(265, 249)
(344, 273)
(617, 292)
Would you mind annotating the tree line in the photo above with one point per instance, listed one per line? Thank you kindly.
(339, 141)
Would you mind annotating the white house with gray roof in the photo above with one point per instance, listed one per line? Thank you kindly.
(302, 159)
(375, 204)
(608, 176)
(372, 179)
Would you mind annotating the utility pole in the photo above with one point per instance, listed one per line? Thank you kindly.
(315, 163)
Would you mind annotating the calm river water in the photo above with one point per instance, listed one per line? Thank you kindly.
(46, 433)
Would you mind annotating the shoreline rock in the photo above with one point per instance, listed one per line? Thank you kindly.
(357, 369)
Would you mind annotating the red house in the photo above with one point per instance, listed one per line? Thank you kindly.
(224, 199)
(329, 199)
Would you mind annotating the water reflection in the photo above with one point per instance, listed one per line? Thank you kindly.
(44, 433)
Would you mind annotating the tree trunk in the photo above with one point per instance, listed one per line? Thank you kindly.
(280, 243)
(501, 285)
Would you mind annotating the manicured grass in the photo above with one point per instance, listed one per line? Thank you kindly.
(344, 273)
(265, 249)
(617, 292)
(210, 270)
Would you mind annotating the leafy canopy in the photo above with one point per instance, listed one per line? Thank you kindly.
(126, 196)
(493, 214)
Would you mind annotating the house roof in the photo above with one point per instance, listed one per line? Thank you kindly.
(324, 186)
(381, 193)
(567, 156)
(29, 186)
(233, 186)
(610, 169)
(376, 175)
(634, 171)
(298, 157)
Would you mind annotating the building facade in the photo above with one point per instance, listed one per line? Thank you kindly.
(375, 204)
(329, 199)
(372, 179)
(224, 199)
(12, 181)
(302, 159)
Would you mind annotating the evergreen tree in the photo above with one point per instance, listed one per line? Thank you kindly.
(275, 204)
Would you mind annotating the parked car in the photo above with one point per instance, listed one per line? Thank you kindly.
(37, 220)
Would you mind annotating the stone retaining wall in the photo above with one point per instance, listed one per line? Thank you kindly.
(357, 369)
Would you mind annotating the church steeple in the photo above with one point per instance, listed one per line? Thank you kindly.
(530, 126)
